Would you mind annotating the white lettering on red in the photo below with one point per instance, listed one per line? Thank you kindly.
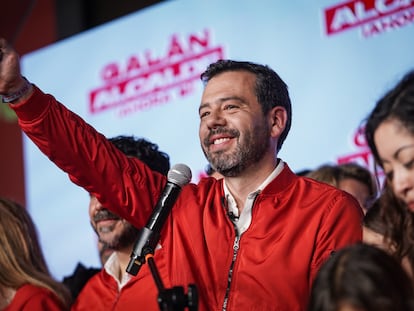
(355, 13)
(143, 77)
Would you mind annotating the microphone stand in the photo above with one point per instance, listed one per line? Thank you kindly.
(171, 299)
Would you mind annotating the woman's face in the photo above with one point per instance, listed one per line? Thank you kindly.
(395, 145)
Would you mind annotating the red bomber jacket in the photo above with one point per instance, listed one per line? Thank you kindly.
(296, 222)
(34, 298)
(101, 292)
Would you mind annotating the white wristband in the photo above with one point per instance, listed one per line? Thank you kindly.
(8, 98)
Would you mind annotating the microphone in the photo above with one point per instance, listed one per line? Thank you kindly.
(178, 176)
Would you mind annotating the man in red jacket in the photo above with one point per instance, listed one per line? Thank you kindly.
(253, 240)
(112, 288)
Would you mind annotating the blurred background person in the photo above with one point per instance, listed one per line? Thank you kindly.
(374, 229)
(350, 177)
(113, 288)
(212, 172)
(361, 277)
(25, 281)
(382, 233)
(389, 132)
(303, 172)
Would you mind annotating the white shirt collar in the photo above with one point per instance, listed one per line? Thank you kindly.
(112, 267)
(243, 220)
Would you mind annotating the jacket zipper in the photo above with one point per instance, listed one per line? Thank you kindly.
(230, 274)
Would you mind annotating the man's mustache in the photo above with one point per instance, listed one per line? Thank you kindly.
(105, 214)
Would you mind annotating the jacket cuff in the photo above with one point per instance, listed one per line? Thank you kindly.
(33, 107)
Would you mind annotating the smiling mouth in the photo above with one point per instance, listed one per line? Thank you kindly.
(104, 229)
(219, 136)
(220, 141)
(107, 221)
(106, 226)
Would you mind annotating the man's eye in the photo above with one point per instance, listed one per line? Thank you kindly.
(229, 107)
(204, 114)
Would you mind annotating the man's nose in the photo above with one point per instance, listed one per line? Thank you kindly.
(216, 119)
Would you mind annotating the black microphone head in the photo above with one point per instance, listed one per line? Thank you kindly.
(179, 174)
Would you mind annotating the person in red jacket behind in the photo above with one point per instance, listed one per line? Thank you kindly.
(25, 281)
(252, 240)
(113, 288)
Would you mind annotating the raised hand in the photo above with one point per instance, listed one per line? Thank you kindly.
(12, 84)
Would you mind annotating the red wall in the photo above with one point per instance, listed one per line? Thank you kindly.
(31, 25)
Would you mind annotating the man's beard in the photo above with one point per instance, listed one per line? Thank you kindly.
(248, 151)
(125, 238)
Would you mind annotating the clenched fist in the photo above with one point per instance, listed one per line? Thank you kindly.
(12, 82)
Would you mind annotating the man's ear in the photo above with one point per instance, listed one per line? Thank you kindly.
(277, 120)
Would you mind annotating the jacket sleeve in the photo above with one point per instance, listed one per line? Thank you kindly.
(43, 302)
(34, 298)
(340, 227)
(122, 184)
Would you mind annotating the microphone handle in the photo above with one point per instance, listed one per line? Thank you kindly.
(163, 207)
(150, 234)
(138, 252)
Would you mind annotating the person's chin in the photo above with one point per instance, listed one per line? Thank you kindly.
(106, 238)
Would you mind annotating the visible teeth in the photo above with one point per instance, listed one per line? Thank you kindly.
(105, 229)
(221, 140)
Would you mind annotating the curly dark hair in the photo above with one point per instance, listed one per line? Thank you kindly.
(144, 150)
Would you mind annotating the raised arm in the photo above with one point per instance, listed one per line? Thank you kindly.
(122, 184)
